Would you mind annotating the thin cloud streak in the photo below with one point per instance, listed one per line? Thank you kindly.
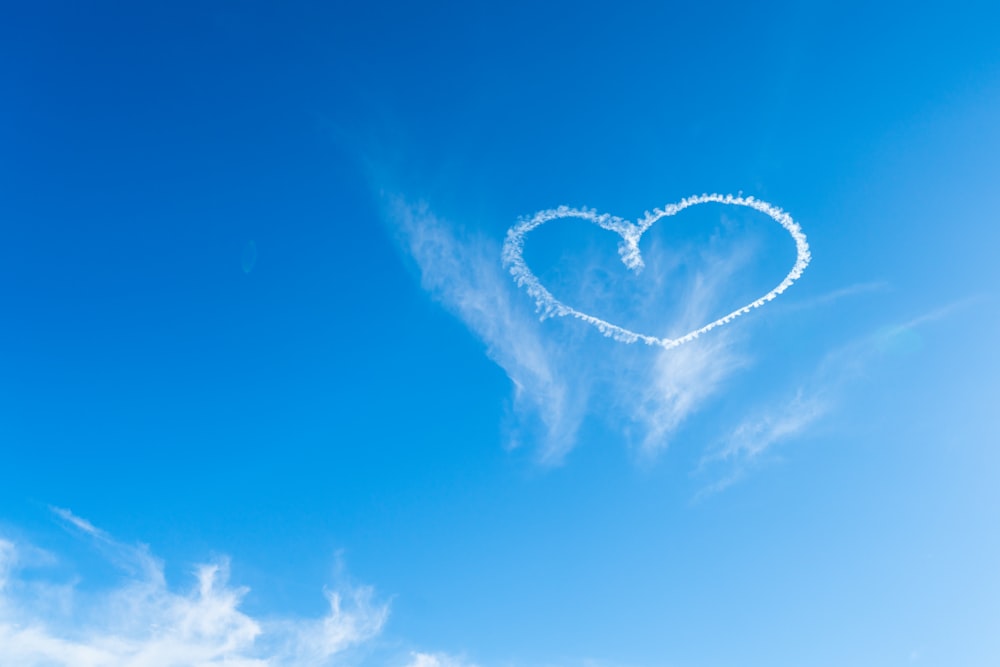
(437, 660)
(464, 274)
(835, 295)
(79, 523)
(746, 444)
(786, 419)
(134, 559)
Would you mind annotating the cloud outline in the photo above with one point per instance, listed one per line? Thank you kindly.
(512, 257)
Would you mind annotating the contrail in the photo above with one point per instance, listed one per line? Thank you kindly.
(628, 249)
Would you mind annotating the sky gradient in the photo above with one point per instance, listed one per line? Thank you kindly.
(270, 395)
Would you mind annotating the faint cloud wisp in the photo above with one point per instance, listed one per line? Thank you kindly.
(465, 276)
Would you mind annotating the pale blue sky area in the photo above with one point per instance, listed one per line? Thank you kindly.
(269, 395)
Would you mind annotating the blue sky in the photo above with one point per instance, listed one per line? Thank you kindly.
(270, 396)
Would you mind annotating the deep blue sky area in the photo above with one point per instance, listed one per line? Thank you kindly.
(253, 312)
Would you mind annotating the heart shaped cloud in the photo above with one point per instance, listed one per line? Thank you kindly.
(628, 249)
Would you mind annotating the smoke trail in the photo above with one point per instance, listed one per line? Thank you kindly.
(628, 249)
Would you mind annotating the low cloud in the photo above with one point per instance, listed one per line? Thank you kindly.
(437, 660)
(143, 622)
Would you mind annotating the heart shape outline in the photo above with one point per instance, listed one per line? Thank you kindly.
(512, 257)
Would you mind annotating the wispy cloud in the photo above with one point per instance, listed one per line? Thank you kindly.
(79, 523)
(561, 375)
(682, 379)
(464, 274)
(746, 445)
(784, 418)
(142, 622)
(133, 559)
(437, 660)
(832, 296)
(678, 384)
(753, 437)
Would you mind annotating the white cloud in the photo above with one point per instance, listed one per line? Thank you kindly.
(437, 660)
(680, 382)
(561, 374)
(142, 622)
(78, 522)
(683, 378)
(753, 437)
(466, 276)
(628, 249)
(747, 443)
